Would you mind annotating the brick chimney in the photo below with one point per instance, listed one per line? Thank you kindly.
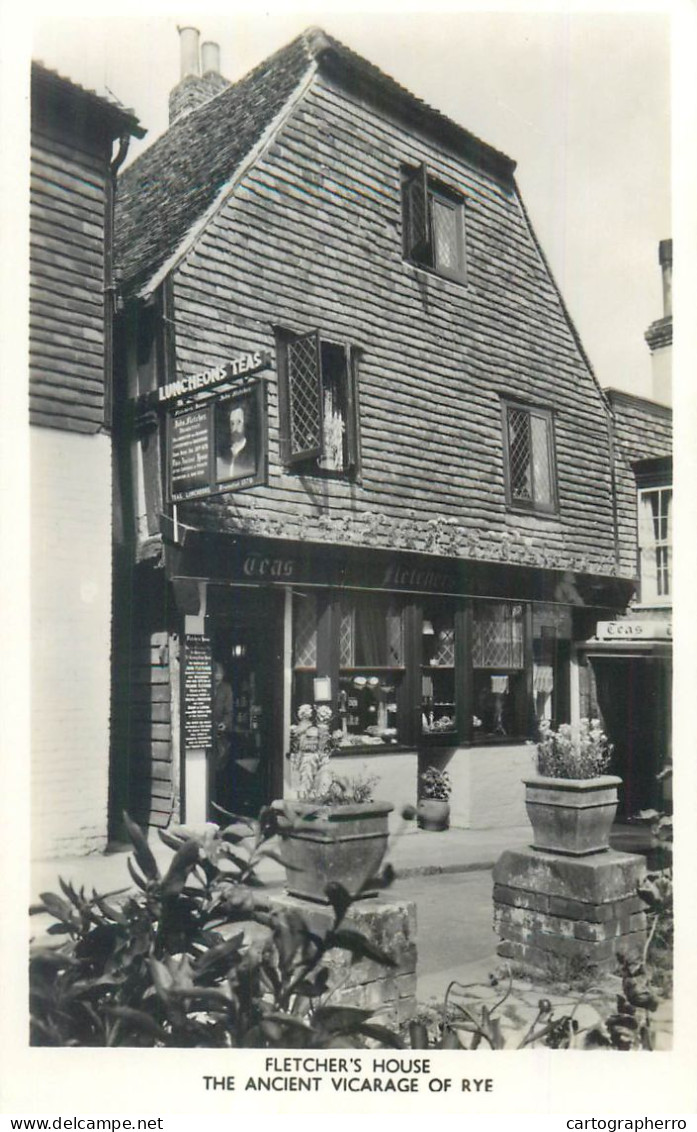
(659, 335)
(200, 77)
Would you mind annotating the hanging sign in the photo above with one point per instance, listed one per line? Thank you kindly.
(198, 692)
(219, 445)
(186, 388)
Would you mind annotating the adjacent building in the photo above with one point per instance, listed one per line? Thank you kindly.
(363, 459)
(626, 668)
(73, 132)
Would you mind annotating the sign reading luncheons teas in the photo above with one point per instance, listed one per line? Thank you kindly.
(218, 444)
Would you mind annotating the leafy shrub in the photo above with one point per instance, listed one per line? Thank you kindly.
(194, 957)
(573, 753)
(342, 791)
(495, 1016)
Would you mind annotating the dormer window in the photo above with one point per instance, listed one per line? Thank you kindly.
(318, 404)
(434, 224)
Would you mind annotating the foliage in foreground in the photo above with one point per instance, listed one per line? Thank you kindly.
(473, 1017)
(195, 956)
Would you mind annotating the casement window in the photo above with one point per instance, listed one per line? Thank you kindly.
(434, 225)
(529, 463)
(318, 404)
(655, 523)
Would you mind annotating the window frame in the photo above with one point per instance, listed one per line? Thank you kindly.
(533, 506)
(308, 462)
(420, 245)
(655, 599)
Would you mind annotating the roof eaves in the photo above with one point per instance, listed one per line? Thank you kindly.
(123, 118)
(147, 288)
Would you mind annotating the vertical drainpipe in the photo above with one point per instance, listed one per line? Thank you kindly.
(612, 447)
(109, 284)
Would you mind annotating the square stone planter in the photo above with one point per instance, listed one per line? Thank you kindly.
(572, 816)
(323, 844)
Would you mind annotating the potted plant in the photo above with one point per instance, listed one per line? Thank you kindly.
(433, 807)
(572, 801)
(333, 831)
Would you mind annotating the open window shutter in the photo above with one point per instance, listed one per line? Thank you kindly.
(418, 225)
(304, 397)
(352, 433)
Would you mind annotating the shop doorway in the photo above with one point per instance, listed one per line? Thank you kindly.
(633, 696)
(245, 628)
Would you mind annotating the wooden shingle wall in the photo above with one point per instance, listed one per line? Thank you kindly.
(312, 238)
(67, 200)
(643, 430)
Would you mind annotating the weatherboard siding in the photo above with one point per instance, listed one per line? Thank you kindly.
(312, 238)
(66, 311)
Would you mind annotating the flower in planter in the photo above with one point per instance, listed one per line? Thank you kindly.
(435, 783)
(312, 744)
(569, 752)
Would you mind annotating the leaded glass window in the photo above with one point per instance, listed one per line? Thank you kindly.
(529, 453)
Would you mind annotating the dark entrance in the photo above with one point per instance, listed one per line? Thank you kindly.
(633, 695)
(246, 631)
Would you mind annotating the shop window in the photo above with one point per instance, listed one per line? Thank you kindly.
(529, 458)
(371, 659)
(551, 637)
(499, 678)
(304, 648)
(438, 680)
(434, 225)
(318, 405)
(655, 520)
(368, 646)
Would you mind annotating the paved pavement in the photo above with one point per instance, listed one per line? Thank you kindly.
(412, 851)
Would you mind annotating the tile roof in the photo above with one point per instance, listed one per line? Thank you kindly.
(119, 116)
(169, 187)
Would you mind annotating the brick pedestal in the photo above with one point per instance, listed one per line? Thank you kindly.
(557, 913)
(391, 925)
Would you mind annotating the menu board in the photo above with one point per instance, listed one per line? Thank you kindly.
(190, 448)
(198, 692)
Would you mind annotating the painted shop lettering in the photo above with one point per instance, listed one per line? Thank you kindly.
(607, 630)
(256, 566)
(421, 579)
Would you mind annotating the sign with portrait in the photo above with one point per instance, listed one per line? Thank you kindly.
(219, 445)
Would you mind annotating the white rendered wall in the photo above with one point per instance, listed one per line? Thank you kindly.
(70, 591)
(662, 375)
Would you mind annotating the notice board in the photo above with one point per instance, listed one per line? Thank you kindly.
(198, 692)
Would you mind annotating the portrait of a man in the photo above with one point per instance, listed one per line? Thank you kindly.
(235, 437)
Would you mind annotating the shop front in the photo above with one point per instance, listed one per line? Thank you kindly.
(421, 660)
(626, 679)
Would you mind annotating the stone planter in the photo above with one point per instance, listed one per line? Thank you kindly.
(323, 844)
(433, 814)
(572, 816)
